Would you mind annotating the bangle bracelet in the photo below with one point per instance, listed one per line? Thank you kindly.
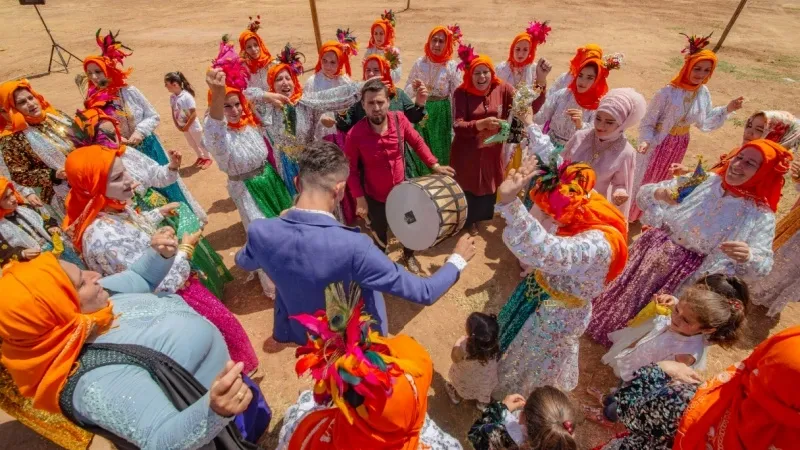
(188, 249)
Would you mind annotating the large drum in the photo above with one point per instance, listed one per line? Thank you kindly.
(425, 211)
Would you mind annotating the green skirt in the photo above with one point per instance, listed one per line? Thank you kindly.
(437, 130)
(269, 192)
(206, 262)
(524, 301)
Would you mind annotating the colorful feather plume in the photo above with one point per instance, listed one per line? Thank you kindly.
(688, 186)
(392, 55)
(390, 17)
(254, 25)
(615, 61)
(350, 363)
(457, 34)
(695, 43)
(552, 178)
(291, 57)
(348, 40)
(466, 54)
(111, 48)
(82, 135)
(538, 31)
(236, 72)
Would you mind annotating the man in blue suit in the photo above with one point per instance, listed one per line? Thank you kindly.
(306, 249)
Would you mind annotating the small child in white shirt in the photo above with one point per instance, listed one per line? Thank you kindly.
(184, 115)
(473, 375)
(710, 312)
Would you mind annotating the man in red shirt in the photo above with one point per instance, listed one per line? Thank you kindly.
(376, 148)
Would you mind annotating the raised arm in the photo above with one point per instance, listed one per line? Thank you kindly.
(148, 172)
(534, 246)
(713, 118)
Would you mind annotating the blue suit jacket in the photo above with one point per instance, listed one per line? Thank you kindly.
(303, 252)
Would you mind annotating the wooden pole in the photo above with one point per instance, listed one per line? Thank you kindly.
(730, 25)
(314, 19)
(408, 5)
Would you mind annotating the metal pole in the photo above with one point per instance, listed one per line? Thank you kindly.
(313, 4)
(730, 25)
(45, 25)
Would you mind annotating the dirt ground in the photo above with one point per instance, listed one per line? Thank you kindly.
(759, 61)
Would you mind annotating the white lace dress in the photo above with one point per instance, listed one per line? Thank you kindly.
(430, 438)
(545, 350)
(561, 128)
(562, 82)
(441, 79)
(514, 76)
(320, 83)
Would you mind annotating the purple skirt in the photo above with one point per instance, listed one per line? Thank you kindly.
(656, 266)
(671, 150)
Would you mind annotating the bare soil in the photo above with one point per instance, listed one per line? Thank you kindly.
(760, 61)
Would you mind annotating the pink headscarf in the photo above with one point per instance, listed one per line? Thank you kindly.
(626, 106)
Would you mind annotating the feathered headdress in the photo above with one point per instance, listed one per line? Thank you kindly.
(350, 363)
(292, 58)
(348, 40)
(111, 48)
(695, 43)
(254, 25)
(466, 54)
(389, 16)
(457, 34)
(236, 73)
(549, 176)
(538, 31)
(614, 61)
(85, 131)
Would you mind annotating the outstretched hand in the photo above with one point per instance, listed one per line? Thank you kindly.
(517, 180)
(215, 79)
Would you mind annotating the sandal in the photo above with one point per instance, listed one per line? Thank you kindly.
(412, 264)
(207, 162)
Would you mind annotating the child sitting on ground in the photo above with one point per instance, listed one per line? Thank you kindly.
(473, 374)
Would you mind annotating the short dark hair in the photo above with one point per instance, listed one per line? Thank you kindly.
(322, 164)
(374, 86)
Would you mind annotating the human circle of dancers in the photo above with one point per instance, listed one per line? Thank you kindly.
(111, 319)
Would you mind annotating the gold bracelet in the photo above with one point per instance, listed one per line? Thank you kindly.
(188, 249)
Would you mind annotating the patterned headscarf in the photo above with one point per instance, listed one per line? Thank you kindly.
(781, 127)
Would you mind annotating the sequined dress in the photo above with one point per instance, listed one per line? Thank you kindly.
(542, 322)
(26, 228)
(704, 220)
(441, 81)
(670, 114)
(114, 242)
(554, 119)
(319, 82)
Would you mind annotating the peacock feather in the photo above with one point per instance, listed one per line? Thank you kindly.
(340, 304)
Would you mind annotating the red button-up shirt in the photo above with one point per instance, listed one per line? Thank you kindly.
(381, 157)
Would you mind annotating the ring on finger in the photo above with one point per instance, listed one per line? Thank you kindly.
(240, 395)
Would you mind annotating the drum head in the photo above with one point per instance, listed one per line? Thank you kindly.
(413, 216)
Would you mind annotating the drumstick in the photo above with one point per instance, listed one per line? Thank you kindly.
(372, 232)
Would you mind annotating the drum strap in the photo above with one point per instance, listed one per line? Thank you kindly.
(400, 142)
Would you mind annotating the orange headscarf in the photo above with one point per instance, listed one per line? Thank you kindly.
(87, 173)
(42, 328)
(467, 83)
(18, 121)
(752, 405)
(342, 57)
(89, 121)
(272, 75)
(263, 59)
(6, 184)
(581, 54)
(449, 45)
(388, 31)
(681, 80)
(578, 208)
(117, 79)
(524, 36)
(386, 71)
(395, 424)
(765, 186)
(591, 98)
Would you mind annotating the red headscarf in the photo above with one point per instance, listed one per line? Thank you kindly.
(531, 54)
(386, 71)
(582, 54)
(43, 329)
(388, 31)
(272, 75)
(578, 207)
(752, 405)
(765, 186)
(591, 98)
(6, 184)
(263, 59)
(18, 121)
(449, 45)
(87, 173)
(342, 57)
(392, 423)
(467, 83)
(681, 80)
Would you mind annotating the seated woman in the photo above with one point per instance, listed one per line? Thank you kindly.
(138, 368)
(26, 232)
(724, 224)
(111, 236)
(378, 397)
(747, 407)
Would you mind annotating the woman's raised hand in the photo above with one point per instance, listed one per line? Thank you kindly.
(215, 79)
(229, 394)
(164, 242)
